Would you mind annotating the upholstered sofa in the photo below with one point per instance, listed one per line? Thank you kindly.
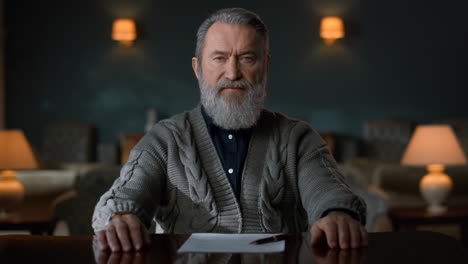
(46, 182)
(400, 184)
(76, 208)
(377, 166)
(47, 188)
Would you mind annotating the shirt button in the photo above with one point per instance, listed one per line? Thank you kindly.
(230, 171)
(230, 136)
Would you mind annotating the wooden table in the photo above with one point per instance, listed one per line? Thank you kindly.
(398, 247)
(35, 215)
(409, 218)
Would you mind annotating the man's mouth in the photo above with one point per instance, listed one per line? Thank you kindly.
(233, 88)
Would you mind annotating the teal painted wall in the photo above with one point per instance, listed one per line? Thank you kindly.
(401, 58)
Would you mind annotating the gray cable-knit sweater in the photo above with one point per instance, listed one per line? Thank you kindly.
(174, 175)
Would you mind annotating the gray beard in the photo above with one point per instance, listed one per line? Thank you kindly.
(233, 114)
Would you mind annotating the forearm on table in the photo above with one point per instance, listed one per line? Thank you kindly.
(137, 190)
(323, 188)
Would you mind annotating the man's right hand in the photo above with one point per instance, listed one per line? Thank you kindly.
(123, 233)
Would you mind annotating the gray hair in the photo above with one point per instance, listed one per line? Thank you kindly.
(235, 16)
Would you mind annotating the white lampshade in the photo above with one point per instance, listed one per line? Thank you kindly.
(434, 144)
(15, 151)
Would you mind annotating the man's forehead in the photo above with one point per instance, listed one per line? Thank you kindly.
(221, 35)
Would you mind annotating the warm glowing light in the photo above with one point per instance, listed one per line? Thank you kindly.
(15, 153)
(124, 30)
(434, 146)
(331, 29)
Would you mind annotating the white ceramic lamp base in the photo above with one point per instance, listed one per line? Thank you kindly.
(11, 191)
(435, 188)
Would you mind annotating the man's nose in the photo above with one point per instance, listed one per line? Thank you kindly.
(232, 70)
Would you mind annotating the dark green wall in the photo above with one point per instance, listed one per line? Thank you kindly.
(401, 58)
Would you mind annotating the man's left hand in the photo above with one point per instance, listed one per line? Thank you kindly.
(340, 231)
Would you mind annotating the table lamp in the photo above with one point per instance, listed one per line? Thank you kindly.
(15, 153)
(434, 146)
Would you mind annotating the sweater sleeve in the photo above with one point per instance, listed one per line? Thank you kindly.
(140, 186)
(321, 185)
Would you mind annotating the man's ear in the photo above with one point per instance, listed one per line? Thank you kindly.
(195, 66)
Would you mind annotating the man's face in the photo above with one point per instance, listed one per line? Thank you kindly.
(232, 52)
(232, 76)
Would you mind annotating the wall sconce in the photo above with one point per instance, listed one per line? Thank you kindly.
(124, 31)
(331, 29)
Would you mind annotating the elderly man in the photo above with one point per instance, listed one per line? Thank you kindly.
(229, 165)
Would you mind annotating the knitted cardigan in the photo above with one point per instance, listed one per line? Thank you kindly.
(175, 176)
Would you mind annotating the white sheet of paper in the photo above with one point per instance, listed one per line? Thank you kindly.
(229, 243)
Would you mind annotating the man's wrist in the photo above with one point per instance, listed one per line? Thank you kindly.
(120, 213)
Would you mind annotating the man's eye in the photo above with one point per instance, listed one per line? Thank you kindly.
(218, 58)
(248, 59)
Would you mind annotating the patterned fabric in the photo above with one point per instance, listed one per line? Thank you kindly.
(174, 174)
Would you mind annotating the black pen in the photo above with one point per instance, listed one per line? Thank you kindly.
(269, 239)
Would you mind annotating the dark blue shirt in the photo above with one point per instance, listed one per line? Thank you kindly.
(231, 146)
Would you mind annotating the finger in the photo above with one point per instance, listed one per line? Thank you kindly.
(319, 253)
(103, 257)
(355, 234)
(343, 234)
(331, 233)
(138, 258)
(355, 256)
(317, 235)
(114, 243)
(102, 240)
(146, 236)
(127, 258)
(332, 256)
(344, 257)
(363, 256)
(135, 232)
(115, 258)
(364, 236)
(122, 233)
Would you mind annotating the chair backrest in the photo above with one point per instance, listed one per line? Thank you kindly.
(387, 139)
(67, 142)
